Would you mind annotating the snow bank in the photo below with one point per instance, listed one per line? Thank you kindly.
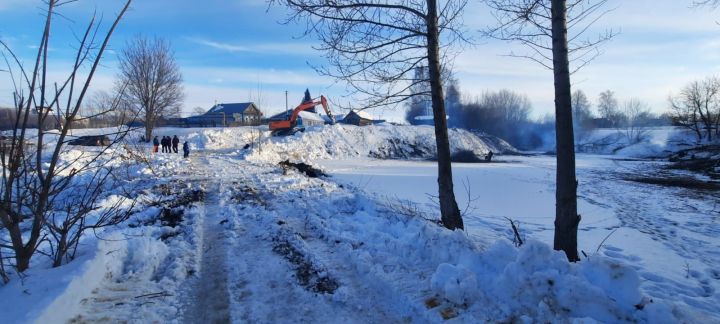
(654, 142)
(377, 141)
(338, 141)
(383, 141)
(535, 282)
(53, 295)
(108, 260)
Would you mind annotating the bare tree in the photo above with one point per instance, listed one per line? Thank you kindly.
(543, 27)
(453, 103)
(42, 196)
(697, 108)
(375, 47)
(152, 80)
(197, 111)
(609, 109)
(582, 117)
(582, 108)
(106, 109)
(636, 113)
(419, 105)
(505, 114)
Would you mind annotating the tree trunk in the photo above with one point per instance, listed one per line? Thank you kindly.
(61, 249)
(449, 210)
(148, 133)
(22, 258)
(566, 217)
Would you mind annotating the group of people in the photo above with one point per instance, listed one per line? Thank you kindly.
(170, 145)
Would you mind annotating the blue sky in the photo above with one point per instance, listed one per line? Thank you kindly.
(234, 51)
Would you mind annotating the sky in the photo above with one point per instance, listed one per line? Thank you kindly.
(239, 51)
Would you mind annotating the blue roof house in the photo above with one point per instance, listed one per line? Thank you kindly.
(228, 114)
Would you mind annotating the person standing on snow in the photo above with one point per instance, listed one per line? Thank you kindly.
(156, 143)
(488, 157)
(165, 145)
(175, 142)
(186, 149)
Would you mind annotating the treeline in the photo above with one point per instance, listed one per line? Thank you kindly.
(90, 117)
(507, 114)
(8, 119)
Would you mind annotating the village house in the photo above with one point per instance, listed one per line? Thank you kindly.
(360, 118)
(227, 114)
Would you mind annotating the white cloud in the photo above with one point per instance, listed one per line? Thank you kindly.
(15, 4)
(284, 48)
(253, 76)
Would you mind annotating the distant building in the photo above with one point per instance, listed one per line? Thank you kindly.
(360, 118)
(227, 114)
(306, 118)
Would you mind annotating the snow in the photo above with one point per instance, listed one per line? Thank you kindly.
(377, 141)
(364, 114)
(308, 116)
(655, 142)
(647, 228)
(362, 246)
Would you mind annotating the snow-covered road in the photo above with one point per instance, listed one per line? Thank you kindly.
(267, 278)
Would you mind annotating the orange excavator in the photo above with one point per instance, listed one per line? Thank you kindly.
(289, 127)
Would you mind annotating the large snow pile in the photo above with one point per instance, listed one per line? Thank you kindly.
(377, 141)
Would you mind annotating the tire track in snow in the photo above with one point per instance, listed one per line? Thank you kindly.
(209, 300)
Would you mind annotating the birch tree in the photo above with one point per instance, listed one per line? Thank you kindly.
(375, 47)
(553, 32)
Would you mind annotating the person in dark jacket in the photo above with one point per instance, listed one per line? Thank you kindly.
(166, 144)
(175, 142)
(186, 149)
(156, 143)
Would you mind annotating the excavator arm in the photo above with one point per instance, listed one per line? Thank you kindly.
(281, 125)
(324, 103)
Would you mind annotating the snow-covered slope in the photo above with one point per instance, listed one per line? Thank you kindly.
(378, 141)
(654, 142)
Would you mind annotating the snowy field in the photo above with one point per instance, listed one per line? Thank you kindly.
(256, 242)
